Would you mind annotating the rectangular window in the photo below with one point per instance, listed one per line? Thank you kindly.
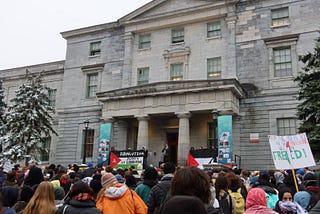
(213, 29)
(143, 76)
(95, 48)
(214, 67)
(287, 126)
(177, 35)
(212, 134)
(44, 156)
(176, 71)
(92, 85)
(89, 142)
(52, 97)
(280, 17)
(282, 62)
(144, 41)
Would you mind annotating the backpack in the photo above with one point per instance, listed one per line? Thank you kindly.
(239, 199)
(224, 204)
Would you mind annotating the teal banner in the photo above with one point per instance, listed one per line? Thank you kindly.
(225, 139)
(104, 144)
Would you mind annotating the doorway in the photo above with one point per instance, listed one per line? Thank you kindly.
(172, 141)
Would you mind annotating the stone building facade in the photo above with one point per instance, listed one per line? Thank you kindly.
(161, 74)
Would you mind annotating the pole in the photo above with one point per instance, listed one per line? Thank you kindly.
(295, 180)
(85, 141)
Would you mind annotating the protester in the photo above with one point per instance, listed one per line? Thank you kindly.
(5, 208)
(192, 181)
(226, 202)
(34, 176)
(26, 194)
(150, 179)
(118, 198)
(182, 204)
(42, 202)
(256, 202)
(158, 193)
(285, 204)
(80, 200)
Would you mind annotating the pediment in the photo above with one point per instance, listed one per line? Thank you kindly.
(162, 8)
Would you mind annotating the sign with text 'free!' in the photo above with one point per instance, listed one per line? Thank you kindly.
(291, 152)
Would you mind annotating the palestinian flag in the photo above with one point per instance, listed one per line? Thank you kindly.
(199, 157)
(114, 159)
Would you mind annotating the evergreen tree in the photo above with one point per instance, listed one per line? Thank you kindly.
(3, 107)
(309, 93)
(28, 121)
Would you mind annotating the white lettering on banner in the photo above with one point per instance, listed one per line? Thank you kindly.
(291, 152)
(132, 160)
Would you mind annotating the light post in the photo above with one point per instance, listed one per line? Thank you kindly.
(86, 125)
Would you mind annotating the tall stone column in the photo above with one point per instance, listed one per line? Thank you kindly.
(184, 138)
(143, 132)
(127, 68)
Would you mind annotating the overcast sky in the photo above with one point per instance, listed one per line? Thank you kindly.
(30, 29)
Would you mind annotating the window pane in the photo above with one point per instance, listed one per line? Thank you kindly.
(177, 35)
(280, 16)
(213, 29)
(144, 41)
(176, 71)
(92, 85)
(143, 75)
(214, 67)
(282, 62)
(46, 149)
(95, 48)
(287, 126)
(52, 97)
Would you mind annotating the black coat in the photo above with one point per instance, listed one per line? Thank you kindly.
(76, 207)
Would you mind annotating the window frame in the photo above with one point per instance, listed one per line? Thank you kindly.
(278, 73)
(45, 145)
(144, 44)
(52, 97)
(89, 85)
(216, 74)
(215, 32)
(89, 142)
(176, 77)
(95, 51)
(177, 39)
(278, 20)
(145, 71)
(284, 129)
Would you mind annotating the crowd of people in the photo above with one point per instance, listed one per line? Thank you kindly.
(168, 189)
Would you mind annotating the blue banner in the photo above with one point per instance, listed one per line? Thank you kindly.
(225, 139)
(104, 144)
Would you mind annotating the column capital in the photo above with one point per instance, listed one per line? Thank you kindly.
(183, 114)
(107, 119)
(142, 117)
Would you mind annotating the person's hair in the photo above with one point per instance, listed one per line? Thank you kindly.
(150, 173)
(42, 201)
(233, 180)
(221, 184)
(191, 181)
(80, 187)
(284, 190)
(169, 167)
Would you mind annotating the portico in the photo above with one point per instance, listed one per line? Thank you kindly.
(178, 108)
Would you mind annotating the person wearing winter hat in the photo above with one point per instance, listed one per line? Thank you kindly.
(118, 198)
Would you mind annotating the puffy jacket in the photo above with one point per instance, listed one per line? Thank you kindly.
(76, 207)
(158, 192)
(120, 199)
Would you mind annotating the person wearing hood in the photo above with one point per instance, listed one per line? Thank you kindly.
(279, 177)
(80, 200)
(257, 202)
(118, 198)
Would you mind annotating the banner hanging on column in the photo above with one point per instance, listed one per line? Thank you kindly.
(104, 144)
(225, 139)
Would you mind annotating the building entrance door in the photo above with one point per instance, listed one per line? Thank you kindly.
(172, 141)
